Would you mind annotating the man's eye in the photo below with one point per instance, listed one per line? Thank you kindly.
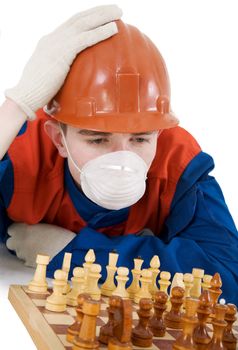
(141, 139)
(97, 141)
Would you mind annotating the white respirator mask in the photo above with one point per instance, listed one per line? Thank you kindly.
(114, 180)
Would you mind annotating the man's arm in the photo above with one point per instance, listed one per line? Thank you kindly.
(199, 232)
(12, 117)
(47, 68)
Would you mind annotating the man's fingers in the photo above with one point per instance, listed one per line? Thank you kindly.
(92, 37)
(10, 244)
(97, 19)
(91, 18)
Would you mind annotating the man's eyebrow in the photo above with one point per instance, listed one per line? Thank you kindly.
(93, 133)
(87, 132)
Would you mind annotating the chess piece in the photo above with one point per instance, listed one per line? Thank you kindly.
(39, 283)
(136, 273)
(156, 323)
(188, 284)
(121, 339)
(195, 291)
(189, 320)
(109, 286)
(177, 281)
(89, 260)
(229, 339)
(164, 281)
(219, 325)
(86, 339)
(154, 268)
(122, 273)
(57, 300)
(201, 336)
(173, 317)
(92, 282)
(145, 280)
(141, 334)
(215, 290)
(66, 267)
(73, 330)
(78, 286)
(106, 331)
(206, 282)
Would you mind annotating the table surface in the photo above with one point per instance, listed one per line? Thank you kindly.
(12, 271)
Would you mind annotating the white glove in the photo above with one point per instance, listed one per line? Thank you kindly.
(47, 68)
(29, 240)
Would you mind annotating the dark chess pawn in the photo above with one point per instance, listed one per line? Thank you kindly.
(200, 335)
(106, 331)
(156, 323)
(141, 334)
(189, 321)
(219, 325)
(173, 317)
(73, 330)
(229, 339)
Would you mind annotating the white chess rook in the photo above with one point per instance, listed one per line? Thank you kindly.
(39, 283)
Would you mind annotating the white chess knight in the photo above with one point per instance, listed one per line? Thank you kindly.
(177, 281)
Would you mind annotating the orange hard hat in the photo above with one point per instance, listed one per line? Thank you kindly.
(118, 85)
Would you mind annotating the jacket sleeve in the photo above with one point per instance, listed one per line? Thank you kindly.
(199, 232)
(6, 191)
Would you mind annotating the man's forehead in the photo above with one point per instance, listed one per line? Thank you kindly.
(88, 132)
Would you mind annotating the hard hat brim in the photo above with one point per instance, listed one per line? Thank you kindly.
(121, 123)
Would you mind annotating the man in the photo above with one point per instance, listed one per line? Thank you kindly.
(115, 171)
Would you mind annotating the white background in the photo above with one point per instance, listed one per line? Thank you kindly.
(199, 42)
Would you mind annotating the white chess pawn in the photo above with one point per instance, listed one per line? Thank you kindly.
(122, 278)
(57, 300)
(136, 273)
(89, 260)
(154, 268)
(66, 268)
(164, 281)
(39, 283)
(145, 280)
(188, 283)
(206, 282)
(78, 286)
(195, 291)
(92, 282)
(109, 286)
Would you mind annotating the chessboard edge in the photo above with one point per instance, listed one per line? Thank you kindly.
(38, 328)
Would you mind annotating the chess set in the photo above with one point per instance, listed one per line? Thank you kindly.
(84, 315)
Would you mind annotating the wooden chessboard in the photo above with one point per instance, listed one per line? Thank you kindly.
(48, 329)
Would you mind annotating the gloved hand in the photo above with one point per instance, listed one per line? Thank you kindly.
(29, 240)
(47, 68)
